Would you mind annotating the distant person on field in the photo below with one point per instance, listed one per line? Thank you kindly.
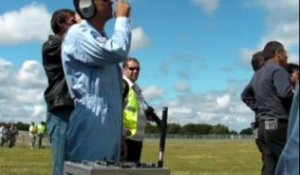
(41, 131)
(4, 134)
(59, 102)
(272, 97)
(32, 134)
(14, 133)
(1, 133)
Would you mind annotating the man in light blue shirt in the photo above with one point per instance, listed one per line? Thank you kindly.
(91, 64)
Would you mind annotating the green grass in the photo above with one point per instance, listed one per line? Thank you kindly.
(209, 157)
(183, 157)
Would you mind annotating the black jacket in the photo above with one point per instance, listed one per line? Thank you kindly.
(56, 94)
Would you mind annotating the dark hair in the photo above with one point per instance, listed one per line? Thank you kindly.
(271, 48)
(60, 16)
(257, 61)
(291, 67)
(129, 59)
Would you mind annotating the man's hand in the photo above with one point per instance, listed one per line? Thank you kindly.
(150, 114)
(150, 118)
(127, 132)
(123, 9)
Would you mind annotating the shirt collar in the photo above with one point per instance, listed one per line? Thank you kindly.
(130, 83)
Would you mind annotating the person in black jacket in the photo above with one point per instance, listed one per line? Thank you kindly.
(59, 102)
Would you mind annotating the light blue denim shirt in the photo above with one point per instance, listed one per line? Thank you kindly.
(288, 163)
(91, 65)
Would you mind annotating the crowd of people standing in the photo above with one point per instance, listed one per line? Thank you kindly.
(85, 89)
(85, 94)
(9, 134)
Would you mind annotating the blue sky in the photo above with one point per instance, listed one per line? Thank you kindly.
(194, 54)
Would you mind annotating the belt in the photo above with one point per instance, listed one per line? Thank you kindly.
(281, 120)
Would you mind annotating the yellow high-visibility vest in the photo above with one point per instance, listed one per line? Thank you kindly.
(41, 129)
(32, 130)
(131, 112)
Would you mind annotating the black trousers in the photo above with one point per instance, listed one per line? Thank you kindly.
(134, 150)
(271, 143)
(260, 147)
(40, 136)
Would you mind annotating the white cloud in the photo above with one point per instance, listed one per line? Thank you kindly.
(223, 101)
(247, 55)
(153, 93)
(189, 66)
(293, 58)
(5, 70)
(28, 96)
(30, 23)
(283, 20)
(282, 24)
(209, 6)
(31, 75)
(38, 111)
(26, 103)
(214, 107)
(165, 68)
(182, 87)
(139, 39)
(183, 110)
(21, 92)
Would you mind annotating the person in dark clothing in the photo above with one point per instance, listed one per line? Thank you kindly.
(5, 135)
(59, 102)
(257, 62)
(293, 70)
(14, 133)
(271, 98)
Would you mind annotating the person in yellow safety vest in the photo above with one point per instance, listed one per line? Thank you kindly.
(41, 130)
(134, 117)
(32, 134)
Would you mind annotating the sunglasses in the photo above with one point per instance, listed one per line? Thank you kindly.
(134, 68)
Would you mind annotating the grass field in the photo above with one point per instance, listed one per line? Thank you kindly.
(183, 157)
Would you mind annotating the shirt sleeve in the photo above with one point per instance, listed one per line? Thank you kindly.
(248, 98)
(95, 49)
(282, 84)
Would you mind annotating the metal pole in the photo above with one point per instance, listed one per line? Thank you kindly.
(162, 137)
